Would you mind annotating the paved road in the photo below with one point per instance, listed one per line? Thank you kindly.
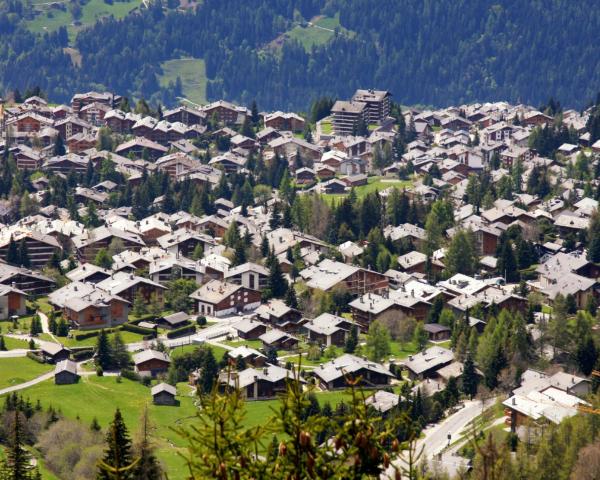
(30, 383)
(435, 438)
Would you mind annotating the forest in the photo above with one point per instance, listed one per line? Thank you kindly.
(427, 53)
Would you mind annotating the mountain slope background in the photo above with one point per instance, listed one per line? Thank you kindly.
(286, 53)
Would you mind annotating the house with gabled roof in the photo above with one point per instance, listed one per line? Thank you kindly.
(335, 374)
(221, 298)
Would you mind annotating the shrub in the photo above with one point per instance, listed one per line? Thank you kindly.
(130, 375)
(201, 320)
(83, 354)
(180, 332)
(99, 371)
(130, 327)
(35, 357)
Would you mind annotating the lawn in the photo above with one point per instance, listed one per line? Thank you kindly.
(19, 370)
(255, 344)
(218, 352)
(319, 32)
(128, 337)
(374, 183)
(14, 343)
(90, 12)
(192, 73)
(326, 127)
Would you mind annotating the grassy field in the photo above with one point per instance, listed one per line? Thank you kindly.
(255, 344)
(19, 370)
(14, 343)
(374, 184)
(128, 337)
(319, 32)
(100, 396)
(218, 352)
(50, 19)
(192, 73)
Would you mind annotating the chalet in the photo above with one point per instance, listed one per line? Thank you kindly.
(88, 244)
(67, 163)
(186, 115)
(276, 313)
(247, 143)
(288, 147)
(267, 134)
(65, 373)
(284, 121)
(437, 332)
(163, 269)
(27, 158)
(355, 180)
(278, 340)
(328, 329)
(141, 147)
(329, 274)
(164, 394)
(12, 302)
(184, 242)
(333, 186)
(249, 275)
(226, 112)
(127, 286)
(54, 352)
(40, 247)
(29, 122)
(28, 281)
(405, 232)
(89, 273)
(81, 142)
(94, 113)
(86, 306)
(176, 164)
(175, 320)
(149, 363)
(87, 195)
(80, 100)
(257, 383)
(383, 401)
(220, 298)
(249, 329)
(249, 355)
(337, 373)
(72, 126)
(229, 162)
(425, 364)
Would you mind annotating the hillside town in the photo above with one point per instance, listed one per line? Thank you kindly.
(444, 261)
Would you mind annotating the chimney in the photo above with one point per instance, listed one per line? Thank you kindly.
(410, 358)
(514, 401)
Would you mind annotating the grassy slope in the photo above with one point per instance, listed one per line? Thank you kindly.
(374, 183)
(192, 72)
(90, 12)
(19, 370)
(319, 33)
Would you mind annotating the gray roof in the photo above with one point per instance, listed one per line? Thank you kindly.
(383, 401)
(346, 364)
(429, 359)
(66, 366)
(275, 335)
(146, 355)
(176, 318)
(163, 387)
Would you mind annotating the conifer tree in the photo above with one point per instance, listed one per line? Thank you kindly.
(469, 377)
(277, 284)
(24, 254)
(290, 297)
(210, 370)
(12, 253)
(59, 146)
(2, 344)
(17, 465)
(118, 462)
(148, 466)
(103, 351)
(352, 340)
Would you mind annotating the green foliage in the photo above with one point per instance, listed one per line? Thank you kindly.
(378, 342)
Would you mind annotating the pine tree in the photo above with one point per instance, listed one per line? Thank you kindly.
(103, 351)
(103, 259)
(24, 254)
(139, 304)
(352, 340)
(290, 297)
(469, 377)
(2, 344)
(118, 462)
(12, 252)
(17, 465)
(59, 146)
(95, 426)
(210, 370)
(507, 264)
(593, 247)
(277, 284)
(148, 467)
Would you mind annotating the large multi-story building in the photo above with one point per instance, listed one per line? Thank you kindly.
(347, 116)
(377, 103)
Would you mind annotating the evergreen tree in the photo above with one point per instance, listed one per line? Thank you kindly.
(2, 344)
(117, 462)
(378, 342)
(290, 297)
(17, 465)
(593, 236)
(62, 328)
(469, 379)
(148, 466)
(420, 336)
(139, 305)
(103, 351)
(209, 373)
(507, 264)
(277, 285)
(24, 254)
(103, 259)
(352, 340)
(12, 252)
(59, 146)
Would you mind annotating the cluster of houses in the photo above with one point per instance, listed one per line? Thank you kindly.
(147, 254)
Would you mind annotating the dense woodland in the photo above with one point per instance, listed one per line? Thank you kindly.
(425, 52)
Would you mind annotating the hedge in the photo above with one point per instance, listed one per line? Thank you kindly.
(180, 332)
(92, 334)
(83, 354)
(130, 375)
(129, 327)
(35, 357)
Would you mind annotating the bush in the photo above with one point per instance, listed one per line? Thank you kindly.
(35, 357)
(180, 332)
(130, 375)
(83, 354)
(99, 371)
(92, 334)
(146, 381)
(130, 327)
(201, 320)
